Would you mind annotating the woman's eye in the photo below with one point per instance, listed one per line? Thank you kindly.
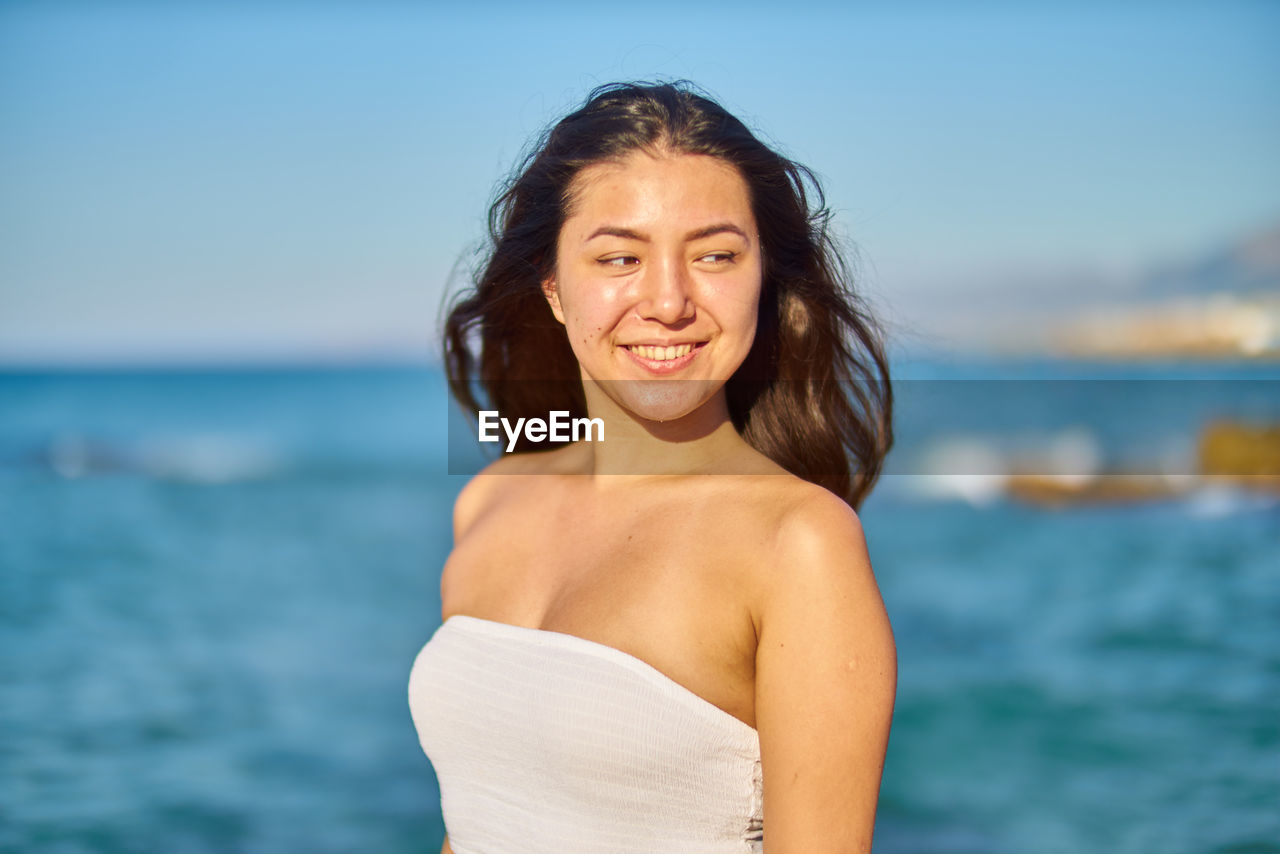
(718, 257)
(620, 261)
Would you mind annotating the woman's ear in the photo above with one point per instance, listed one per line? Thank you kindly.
(552, 292)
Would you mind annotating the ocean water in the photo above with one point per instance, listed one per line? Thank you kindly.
(212, 586)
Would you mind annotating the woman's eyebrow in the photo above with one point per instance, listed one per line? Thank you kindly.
(718, 228)
(696, 234)
(615, 231)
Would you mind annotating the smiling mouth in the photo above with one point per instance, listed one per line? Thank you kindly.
(663, 354)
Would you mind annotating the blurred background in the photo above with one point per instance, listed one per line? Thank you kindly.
(225, 234)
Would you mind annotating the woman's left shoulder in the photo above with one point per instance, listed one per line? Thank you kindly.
(806, 543)
(812, 530)
(826, 676)
(816, 524)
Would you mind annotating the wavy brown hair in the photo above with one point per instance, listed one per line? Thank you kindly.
(813, 393)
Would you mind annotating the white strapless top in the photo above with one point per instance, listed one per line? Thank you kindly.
(547, 742)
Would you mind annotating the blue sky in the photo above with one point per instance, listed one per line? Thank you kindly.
(291, 180)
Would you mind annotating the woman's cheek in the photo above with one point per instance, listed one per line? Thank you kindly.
(738, 290)
(607, 309)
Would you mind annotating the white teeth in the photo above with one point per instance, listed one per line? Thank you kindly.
(662, 354)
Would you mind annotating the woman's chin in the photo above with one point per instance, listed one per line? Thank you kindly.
(662, 400)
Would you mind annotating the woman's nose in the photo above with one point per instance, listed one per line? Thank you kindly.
(665, 293)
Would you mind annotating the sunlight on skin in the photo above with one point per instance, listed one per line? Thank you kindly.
(658, 278)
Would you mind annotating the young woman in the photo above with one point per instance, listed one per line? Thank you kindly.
(671, 639)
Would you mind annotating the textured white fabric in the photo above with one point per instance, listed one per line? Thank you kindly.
(547, 742)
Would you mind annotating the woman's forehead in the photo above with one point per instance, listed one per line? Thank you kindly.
(655, 189)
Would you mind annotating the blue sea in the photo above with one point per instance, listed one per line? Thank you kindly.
(213, 584)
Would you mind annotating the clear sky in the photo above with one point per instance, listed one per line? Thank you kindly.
(291, 180)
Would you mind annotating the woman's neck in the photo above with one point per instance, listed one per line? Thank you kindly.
(701, 441)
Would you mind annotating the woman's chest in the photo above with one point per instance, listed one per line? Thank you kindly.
(674, 593)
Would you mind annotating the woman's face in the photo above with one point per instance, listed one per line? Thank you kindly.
(658, 278)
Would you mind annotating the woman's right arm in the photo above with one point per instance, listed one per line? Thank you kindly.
(825, 638)
(466, 508)
(470, 504)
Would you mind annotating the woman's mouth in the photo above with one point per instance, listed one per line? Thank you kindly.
(663, 359)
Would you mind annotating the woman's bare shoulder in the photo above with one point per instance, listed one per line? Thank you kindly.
(809, 536)
(811, 510)
(788, 506)
(475, 496)
(507, 478)
(487, 518)
(824, 635)
(766, 514)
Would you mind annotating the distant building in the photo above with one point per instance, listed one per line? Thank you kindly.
(1218, 325)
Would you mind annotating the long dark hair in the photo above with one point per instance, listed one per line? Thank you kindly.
(813, 393)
